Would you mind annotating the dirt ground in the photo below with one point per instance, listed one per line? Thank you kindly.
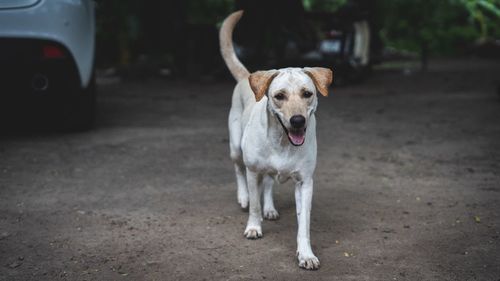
(407, 187)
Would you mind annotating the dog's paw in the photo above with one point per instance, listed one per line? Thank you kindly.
(243, 201)
(309, 262)
(253, 232)
(271, 214)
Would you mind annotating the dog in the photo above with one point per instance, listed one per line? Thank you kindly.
(272, 136)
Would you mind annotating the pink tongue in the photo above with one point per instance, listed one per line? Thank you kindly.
(297, 139)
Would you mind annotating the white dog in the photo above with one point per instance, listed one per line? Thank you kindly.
(272, 132)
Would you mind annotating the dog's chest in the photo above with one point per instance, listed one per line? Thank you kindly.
(279, 163)
(283, 169)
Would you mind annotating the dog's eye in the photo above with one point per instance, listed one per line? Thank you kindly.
(279, 96)
(307, 94)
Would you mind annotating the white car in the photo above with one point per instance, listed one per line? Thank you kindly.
(47, 61)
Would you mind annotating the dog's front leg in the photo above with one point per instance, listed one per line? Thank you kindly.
(303, 198)
(254, 184)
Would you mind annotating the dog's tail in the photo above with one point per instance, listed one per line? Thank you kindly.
(238, 70)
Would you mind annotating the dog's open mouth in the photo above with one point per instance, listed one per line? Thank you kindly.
(297, 136)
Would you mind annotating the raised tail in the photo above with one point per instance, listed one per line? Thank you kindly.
(237, 69)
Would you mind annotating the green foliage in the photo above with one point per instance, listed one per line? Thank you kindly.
(323, 5)
(486, 13)
(442, 27)
(436, 26)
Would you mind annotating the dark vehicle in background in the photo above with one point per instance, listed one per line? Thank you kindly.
(343, 40)
(47, 63)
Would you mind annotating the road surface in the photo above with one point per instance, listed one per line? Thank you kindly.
(407, 186)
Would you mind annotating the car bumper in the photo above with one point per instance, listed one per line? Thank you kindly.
(68, 23)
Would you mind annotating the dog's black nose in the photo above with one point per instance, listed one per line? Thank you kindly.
(297, 121)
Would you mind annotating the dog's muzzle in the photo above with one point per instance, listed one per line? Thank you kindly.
(297, 134)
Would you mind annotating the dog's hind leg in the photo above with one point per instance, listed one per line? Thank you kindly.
(241, 181)
(270, 212)
(234, 123)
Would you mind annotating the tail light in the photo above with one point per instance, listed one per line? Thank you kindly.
(53, 52)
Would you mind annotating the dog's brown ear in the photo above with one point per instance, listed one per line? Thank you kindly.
(260, 81)
(322, 78)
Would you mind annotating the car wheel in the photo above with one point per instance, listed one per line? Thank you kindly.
(84, 107)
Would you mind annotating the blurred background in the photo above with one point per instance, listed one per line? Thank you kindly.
(180, 37)
(55, 52)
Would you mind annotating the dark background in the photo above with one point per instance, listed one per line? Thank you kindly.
(182, 35)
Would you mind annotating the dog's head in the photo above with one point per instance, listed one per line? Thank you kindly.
(292, 95)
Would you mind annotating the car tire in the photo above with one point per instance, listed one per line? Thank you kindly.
(84, 108)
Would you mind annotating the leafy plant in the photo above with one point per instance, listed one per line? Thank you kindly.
(486, 13)
(324, 5)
